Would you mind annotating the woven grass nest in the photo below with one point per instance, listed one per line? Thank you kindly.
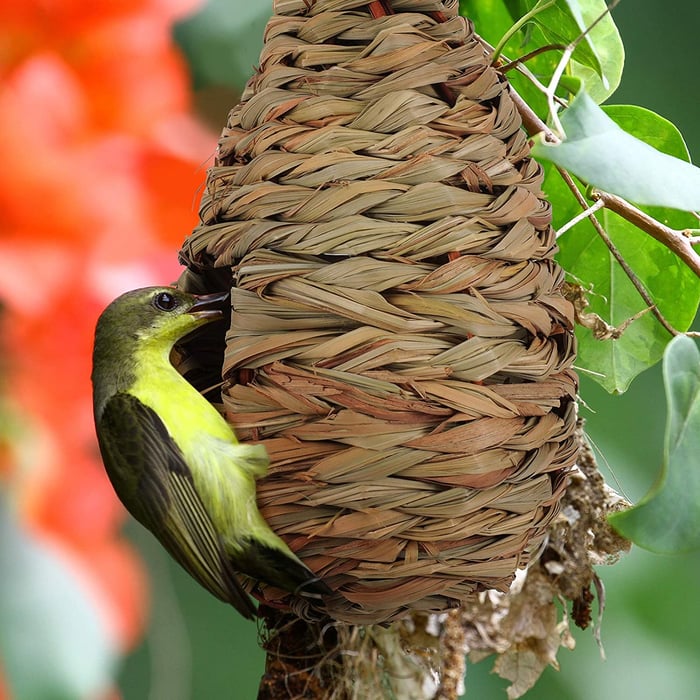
(399, 342)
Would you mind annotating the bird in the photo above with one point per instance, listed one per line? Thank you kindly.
(174, 461)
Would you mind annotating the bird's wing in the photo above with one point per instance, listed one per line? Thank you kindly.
(143, 458)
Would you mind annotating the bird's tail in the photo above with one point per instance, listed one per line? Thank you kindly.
(280, 569)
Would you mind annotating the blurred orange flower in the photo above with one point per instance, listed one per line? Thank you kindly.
(101, 166)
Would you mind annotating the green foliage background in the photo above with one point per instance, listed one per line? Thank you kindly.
(198, 648)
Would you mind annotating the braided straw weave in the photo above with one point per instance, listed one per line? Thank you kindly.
(399, 342)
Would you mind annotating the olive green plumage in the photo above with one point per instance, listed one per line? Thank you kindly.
(173, 460)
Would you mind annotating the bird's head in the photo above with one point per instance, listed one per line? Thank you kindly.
(158, 314)
(141, 328)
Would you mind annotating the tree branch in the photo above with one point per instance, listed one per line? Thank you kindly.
(677, 241)
(600, 230)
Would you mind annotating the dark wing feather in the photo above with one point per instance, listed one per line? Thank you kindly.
(154, 482)
(274, 566)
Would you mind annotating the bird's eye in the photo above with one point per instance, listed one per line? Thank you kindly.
(165, 301)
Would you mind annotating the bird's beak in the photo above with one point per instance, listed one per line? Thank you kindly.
(210, 306)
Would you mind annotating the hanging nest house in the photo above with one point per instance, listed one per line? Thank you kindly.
(399, 341)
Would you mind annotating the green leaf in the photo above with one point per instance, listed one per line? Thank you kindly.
(599, 56)
(602, 154)
(674, 288)
(667, 519)
(53, 645)
(492, 19)
(609, 51)
(598, 60)
(563, 23)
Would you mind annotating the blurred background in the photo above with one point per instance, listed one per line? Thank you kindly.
(106, 131)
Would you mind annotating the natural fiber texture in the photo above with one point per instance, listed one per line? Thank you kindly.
(399, 342)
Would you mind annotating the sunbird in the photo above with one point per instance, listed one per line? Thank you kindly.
(173, 460)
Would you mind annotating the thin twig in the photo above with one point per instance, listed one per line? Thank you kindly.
(566, 56)
(505, 67)
(673, 239)
(516, 27)
(531, 121)
(550, 92)
(583, 215)
(524, 70)
(521, 68)
(616, 254)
